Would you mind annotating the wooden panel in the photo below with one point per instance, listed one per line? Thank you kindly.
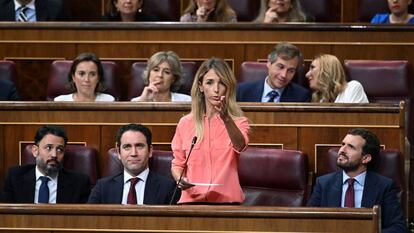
(177, 219)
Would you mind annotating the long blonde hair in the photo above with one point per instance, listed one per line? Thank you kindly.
(198, 104)
(222, 12)
(295, 13)
(331, 80)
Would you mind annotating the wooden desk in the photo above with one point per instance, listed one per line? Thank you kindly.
(178, 219)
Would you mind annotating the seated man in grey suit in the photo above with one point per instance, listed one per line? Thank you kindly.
(32, 10)
(356, 185)
(282, 64)
(46, 181)
(136, 184)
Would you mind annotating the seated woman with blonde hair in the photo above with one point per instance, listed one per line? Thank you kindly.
(328, 82)
(86, 80)
(208, 11)
(162, 78)
(280, 11)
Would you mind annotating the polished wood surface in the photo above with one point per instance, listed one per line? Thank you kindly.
(178, 219)
(34, 46)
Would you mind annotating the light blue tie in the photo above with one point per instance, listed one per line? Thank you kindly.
(44, 190)
(22, 15)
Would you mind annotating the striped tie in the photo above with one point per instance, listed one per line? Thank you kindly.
(22, 15)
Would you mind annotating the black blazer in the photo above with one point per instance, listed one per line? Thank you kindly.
(46, 10)
(158, 190)
(20, 186)
(253, 91)
(378, 190)
(8, 91)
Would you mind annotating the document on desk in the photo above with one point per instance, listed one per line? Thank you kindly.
(205, 184)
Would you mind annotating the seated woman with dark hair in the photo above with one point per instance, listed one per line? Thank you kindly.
(162, 78)
(281, 11)
(327, 80)
(127, 11)
(208, 11)
(86, 79)
(399, 13)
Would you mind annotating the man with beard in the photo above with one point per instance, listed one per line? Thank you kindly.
(136, 184)
(46, 181)
(356, 185)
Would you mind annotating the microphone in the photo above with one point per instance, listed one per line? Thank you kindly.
(193, 142)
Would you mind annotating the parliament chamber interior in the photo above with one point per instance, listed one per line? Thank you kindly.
(290, 143)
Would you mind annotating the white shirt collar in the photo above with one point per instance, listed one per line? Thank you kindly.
(267, 88)
(39, 174)
(142, 176)
(30, 5)
(359, 178)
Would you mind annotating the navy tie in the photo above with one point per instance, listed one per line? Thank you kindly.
(272, 96)
(44, 190)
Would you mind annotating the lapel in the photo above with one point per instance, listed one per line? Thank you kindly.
(7, 12)
(151, 189)
(65, 187)
(285, 97)
(335, 192)
(257, 91)
(370, 190)
(27, 186)
(41, 10)
(116, 189)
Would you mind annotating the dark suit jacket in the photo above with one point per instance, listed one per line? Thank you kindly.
(253, 91)
(158, 190)
(20, 186)
(8, 90)
(46, 10)
(378, 190)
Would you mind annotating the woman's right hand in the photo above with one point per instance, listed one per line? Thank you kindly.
(202, 14)
(149, 92)
(184, 184)
(271, 15)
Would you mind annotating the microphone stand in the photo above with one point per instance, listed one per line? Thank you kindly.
(193, 142)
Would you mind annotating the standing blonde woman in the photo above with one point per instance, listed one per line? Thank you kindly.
(327, 80)
(208, 11)
(222, 133)
(280, 11)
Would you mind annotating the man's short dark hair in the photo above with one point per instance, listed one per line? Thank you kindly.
(372, 144)
(50, 129)
(286, 51)
(134, 127)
